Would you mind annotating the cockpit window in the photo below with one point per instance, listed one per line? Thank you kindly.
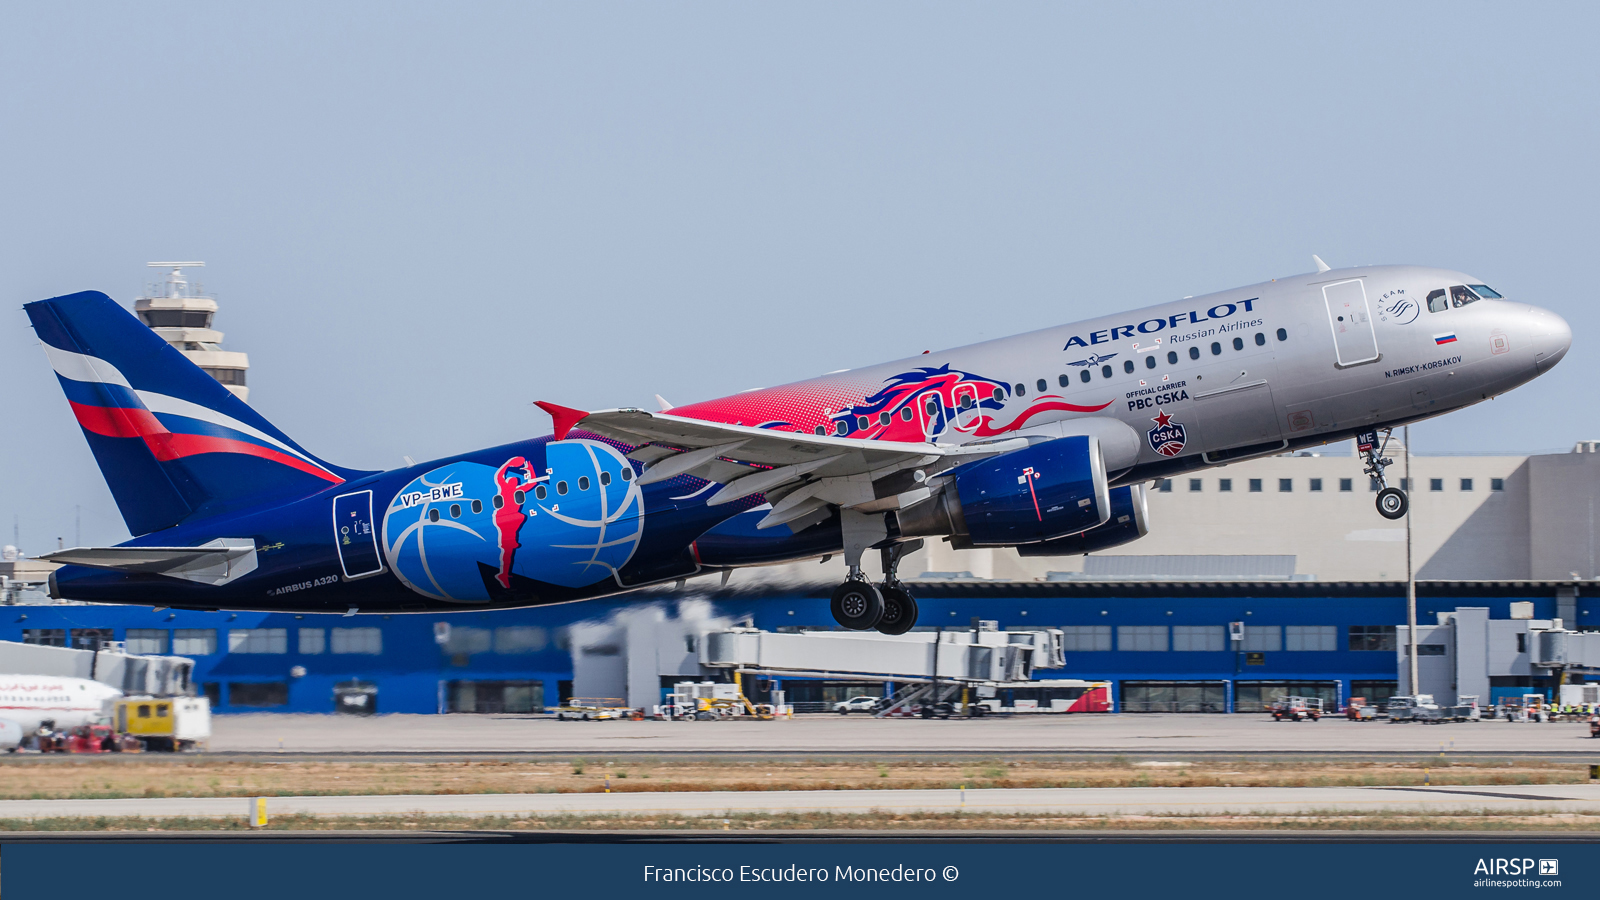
(1486, 292)
(1437, 301)
(1460, 296)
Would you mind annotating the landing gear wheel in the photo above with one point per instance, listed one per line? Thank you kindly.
(1392, 503)
(857, 605)
(899, 610)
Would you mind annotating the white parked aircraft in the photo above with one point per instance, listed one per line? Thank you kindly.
(28, 701)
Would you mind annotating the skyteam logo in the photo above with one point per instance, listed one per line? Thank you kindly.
(1168, 437)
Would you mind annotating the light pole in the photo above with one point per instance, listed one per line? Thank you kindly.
(1411, 574)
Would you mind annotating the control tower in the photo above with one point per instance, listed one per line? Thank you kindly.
(181, 314)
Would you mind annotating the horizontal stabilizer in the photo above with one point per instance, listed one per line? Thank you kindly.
(217, 562)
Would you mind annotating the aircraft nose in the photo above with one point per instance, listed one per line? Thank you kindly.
(1552, 337)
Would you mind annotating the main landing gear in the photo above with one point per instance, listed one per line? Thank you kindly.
(858, 604)
(1392, 502)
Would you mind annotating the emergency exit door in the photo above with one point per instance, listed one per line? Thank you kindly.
(355, 535)
(1354, 341)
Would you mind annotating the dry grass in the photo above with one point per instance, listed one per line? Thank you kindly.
(1435, 821)
(23, 778)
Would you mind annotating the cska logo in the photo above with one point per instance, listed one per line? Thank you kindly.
(1168, 437)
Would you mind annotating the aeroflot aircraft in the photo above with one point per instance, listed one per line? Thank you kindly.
(1040, 442)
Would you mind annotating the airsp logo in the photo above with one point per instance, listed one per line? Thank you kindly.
(1501, 866)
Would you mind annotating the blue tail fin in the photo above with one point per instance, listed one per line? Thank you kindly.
(172, 443)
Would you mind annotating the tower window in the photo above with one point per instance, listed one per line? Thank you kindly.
(1255, 485)
(1346, 485)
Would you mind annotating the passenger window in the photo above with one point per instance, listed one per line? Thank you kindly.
(433, 515)
(541, 492)
(1150, 362)
(1105, 371)
(561, 488)
(1283, 335)
(906, 414)
(498, 501)
(1460, 296)
(820, 429)
(605, 479)
(1063, 379)
(1000, 392)
(933, 406)
(884, 417)
(583, 482)
(1127, 366)
(1437, 302)
(862, 422)
(477, 507)
(1022, 391)
(1238, 343)
(1216, 349)
(455, 510)
(1261, 339)
(1084, 376)
(1043, 385)
(1172, 357)
(840, 427)
(967, 402)
(1194, 352)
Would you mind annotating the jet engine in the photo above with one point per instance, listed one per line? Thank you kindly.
(1049, 490)
(1130, 520)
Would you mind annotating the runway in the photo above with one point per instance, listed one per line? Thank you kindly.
(1126, 801)
(831, 734)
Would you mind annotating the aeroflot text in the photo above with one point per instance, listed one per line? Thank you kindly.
(791, 873)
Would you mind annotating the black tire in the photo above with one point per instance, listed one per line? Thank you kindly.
(857, 605)
(1392, 503)
(844, 710)
(899, 610)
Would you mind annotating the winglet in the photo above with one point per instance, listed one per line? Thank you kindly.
(1321, 266)
(563, 417)
(662, 402)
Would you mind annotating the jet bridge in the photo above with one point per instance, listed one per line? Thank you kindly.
(983, 656)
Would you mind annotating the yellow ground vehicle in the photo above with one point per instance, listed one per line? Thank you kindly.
(593, 709)
(163, 723)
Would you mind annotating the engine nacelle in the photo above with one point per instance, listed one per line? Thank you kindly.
(1130, 520)
(1049, 490)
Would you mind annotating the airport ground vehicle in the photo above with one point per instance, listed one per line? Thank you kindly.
(858, 704)
(1041, 441)
(1297, 709)
(593, 709)
(163, 723)
(1419, 708)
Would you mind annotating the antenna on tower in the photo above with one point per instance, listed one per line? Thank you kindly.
(176, 283)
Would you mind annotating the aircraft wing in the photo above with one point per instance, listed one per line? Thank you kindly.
(800, 474)
(216, 562)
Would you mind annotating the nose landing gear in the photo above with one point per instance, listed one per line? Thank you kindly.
(1392, 502)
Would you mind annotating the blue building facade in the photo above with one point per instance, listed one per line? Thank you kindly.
(1165, 647)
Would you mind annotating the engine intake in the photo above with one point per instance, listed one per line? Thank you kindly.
(1049, 490)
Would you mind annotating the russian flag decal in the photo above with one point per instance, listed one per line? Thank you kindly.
(1448, 337)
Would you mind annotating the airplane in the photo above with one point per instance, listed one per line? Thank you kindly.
(28, 701)
(1041, 441)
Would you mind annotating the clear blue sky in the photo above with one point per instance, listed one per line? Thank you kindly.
(420, 218)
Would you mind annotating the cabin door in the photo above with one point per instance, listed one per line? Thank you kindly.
(1354, 341)
(355, 535)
